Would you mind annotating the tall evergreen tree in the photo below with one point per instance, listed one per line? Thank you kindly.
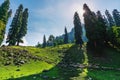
(15, 26)
(23, 29)
(101, 28)
(4, 9)
(66, 36)
(44, 42)
(78, 29)
(90, 21)
(106, 21)
(116, 15)
(50, 41)
(4, 15)
(9, 13)
(110, 18)
(95, 28)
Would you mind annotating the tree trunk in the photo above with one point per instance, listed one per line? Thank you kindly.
(18, 43)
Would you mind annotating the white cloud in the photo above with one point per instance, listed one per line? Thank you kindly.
(25, 42)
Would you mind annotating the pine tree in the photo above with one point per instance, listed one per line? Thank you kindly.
(4, 8)
(9, 13)
(116, 15)
(110, 18)
(4, 16)
(66, 36)
(78, 29)
(90, 21)
(106, 21)
(50, 41)
(95, 28)
(44, 42)
(23, 29)
(101, 28)
(15, 26)
(38, 45)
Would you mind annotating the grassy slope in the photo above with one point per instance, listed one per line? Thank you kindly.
(111, 59)
(50, 60)
(49, 57)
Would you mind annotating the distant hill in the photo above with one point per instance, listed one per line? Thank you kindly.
(71, 35)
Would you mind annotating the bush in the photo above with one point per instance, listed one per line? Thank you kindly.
(114, 36)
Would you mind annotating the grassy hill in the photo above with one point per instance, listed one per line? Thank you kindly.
(64, 62)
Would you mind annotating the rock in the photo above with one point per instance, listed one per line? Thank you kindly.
(34, 77)
(22, 62)
(11, 54)
(54, 78)
(7, 63)
(45, 77)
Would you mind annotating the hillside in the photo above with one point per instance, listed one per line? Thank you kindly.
(64, 62)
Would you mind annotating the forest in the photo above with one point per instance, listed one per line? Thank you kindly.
(89, 52)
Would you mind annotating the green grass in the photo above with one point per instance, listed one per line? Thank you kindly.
(49, 57)
(24, 70)
(52, 59)
(2, 30)
(104, 75)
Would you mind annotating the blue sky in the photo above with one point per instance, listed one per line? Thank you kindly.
(51, 16)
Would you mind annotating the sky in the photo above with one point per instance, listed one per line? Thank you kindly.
(48, 17)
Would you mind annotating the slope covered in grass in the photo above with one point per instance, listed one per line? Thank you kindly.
(64, 62)
(18, 61)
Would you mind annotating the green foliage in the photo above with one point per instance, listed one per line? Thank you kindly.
(15, 26)
(2, 32)
(23, 29)
(109, 18)
(50, 41)
(4, 11)
(116, 15)
(58, 41)
(18, 27)
(4, 15)
(66, 36)
(44, 42)
(90, 26)
(39, 45)
(95, 29)
(114, 36)
(78, 29)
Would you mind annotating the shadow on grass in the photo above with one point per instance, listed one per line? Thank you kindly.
(105, 62)
(64, 70)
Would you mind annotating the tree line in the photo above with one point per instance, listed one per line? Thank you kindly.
(18, 27)
(101, 30)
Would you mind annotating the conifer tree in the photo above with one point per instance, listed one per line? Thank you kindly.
(15, 26)
(50, 41)
(116, 15)
(23, 29)
(38, 45)
(44, 42)
(101, 28)
(66, 36)
(4, 10)
(4, 16)
(110, 18)
(78, 29)
(95, 28)
(90, 21)
(106, 21)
